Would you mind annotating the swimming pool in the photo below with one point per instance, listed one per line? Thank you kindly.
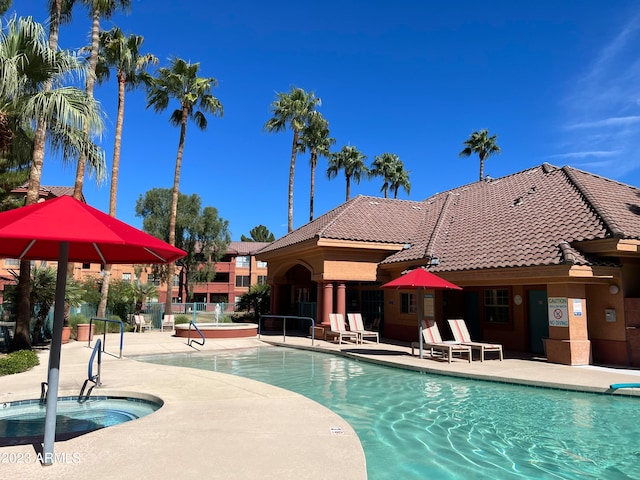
(414, 425)
(22, 422)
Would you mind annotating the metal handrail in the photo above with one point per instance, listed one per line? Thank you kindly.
(189, 340)
(104, 341)
(284, 325)
(90, 376)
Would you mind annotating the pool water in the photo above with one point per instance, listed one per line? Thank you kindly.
(414, 425)
(21, 421)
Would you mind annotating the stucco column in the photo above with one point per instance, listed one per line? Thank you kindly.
(568, 341)
(341, 299)
(327, 302)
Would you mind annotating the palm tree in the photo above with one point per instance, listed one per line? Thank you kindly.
(181, 81)
(385, 166)
(399, 179)
(291, 110)
(29, 69)
(98, 9)
(315, 138)
(351, 160)
(123, 54)
(482, 144)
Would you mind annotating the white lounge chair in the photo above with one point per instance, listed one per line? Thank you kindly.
(357, 325)
(461, 334)
(338, 328)
(168, 321)
(432, 341)
(140, 323)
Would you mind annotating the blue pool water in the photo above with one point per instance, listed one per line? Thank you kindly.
(21, 421)
(414, 425)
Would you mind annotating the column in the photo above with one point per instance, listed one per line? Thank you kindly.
(327, 302)
(341, 299)
(568, 341)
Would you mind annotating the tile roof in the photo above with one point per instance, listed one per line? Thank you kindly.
(533, 217)
(47, 191)
(246, 248)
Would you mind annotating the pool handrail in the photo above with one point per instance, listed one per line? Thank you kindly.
(189, 340)
(90, 376)
(284, 325)
(104, 341)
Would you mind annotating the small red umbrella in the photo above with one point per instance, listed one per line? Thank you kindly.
(64, 229)
(421, 279)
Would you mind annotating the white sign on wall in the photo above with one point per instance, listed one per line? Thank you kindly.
(558, 312)
(577, 307)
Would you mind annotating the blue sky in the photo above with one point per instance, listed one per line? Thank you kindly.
(557, 81)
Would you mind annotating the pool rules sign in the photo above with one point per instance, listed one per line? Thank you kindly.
(558, 312)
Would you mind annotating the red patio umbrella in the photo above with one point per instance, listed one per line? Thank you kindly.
(64, 229)
(421, 279)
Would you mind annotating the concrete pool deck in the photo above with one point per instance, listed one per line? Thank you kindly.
(220, 426)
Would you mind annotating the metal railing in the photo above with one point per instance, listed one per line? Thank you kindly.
(95, 379)
(284, 325)
(104, 338)
(189, 340)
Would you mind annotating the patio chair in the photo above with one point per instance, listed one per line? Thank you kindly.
(432, 341)
(357, 325)
(461, 334)
(167, 321)
(339, 330)
(140, 323)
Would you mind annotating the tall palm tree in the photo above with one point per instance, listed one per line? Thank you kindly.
(399, 178)
(181, 82)
(315, 138)
(98, 9)
(351, 160)
(385, 166)
(123, 54)
(291, 110)
(31, 92)
(482, 144)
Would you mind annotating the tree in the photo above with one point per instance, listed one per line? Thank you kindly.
(29, 68)
(291, 110)
(199, 232)
(259, 234)
(4, 6)
(351, 161)
(123, 54)
(98, 9)
(385, 166)
(483, 145)
(257, 299)
(181, 82)
(399, 179)
(315, 138)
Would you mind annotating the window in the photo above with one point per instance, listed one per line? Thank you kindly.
(154, 279)
(176, 280)
(242, 261)
(408, 303)
(496, 305)
(86, 266)
(262, 264)
(11, 262)
(126, 277)
(262, 279)
(242, 281)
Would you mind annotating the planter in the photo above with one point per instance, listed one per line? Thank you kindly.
(83, 334)
(66, 334)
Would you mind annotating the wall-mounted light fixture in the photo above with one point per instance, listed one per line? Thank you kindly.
(614, 289)
(517, 300)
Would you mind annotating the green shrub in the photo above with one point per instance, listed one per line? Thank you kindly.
(18, 362)
(182, 319)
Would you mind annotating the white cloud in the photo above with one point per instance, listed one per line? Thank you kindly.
(586, 154)
(607, 122)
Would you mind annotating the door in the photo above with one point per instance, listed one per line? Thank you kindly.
(472, 313)
(538, 320)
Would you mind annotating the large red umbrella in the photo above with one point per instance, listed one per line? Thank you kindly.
(65, 229)
(420, 279)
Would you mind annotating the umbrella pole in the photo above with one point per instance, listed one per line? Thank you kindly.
(420, 319)
(54, 356)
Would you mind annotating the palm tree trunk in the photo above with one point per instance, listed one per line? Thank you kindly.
(292, 166)
(22, 338)
(481, 166)
(113, 192)
(171, 267)
(348, 187)
(314, 161)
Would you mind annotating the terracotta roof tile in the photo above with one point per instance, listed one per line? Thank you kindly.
(533, 217)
